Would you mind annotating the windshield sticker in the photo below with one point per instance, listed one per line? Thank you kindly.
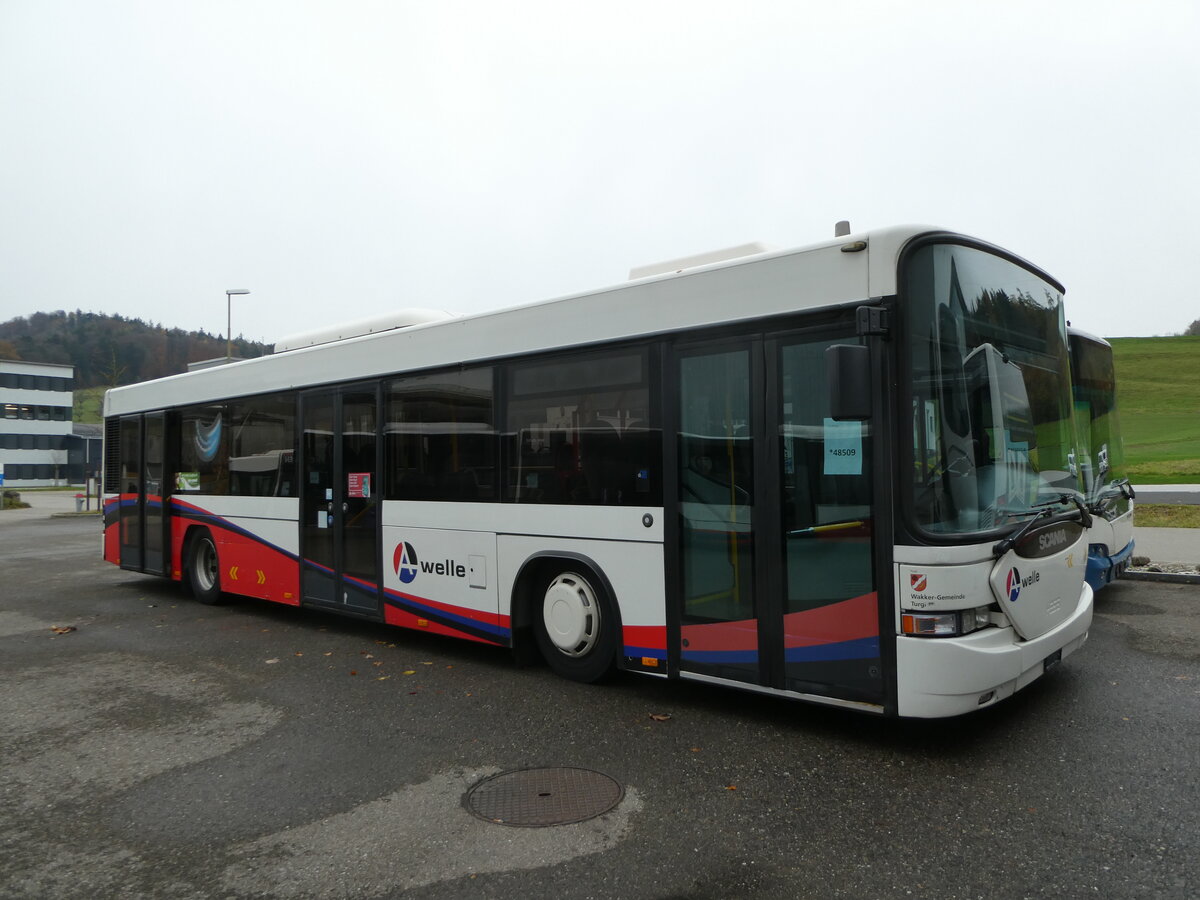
(843, 448)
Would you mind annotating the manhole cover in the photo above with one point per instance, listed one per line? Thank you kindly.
(535, 798)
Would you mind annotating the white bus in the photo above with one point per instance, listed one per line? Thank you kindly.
(1101, 458)
(794, 472)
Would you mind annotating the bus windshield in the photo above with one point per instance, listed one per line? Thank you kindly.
(991, 397)
(1101, 456)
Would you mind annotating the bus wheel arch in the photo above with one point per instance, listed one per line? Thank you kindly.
(202, 565)
(566, 607)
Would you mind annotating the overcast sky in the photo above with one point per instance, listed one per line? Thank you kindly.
(342, 159)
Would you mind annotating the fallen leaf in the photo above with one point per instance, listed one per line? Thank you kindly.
(365, 654)
(383, 677)
(298, 653)
(427, 664)
(330, 653)
(63, 629)
(271, 662)
(410, 671)
(378, 662)
(695, 749)
(731, 787)
(353, 672)
(660, 717)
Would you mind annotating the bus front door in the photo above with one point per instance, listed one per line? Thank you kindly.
(144, 524)
(776, 579)
(339, 508)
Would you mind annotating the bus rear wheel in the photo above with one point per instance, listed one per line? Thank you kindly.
(204, 568)
(576, 630)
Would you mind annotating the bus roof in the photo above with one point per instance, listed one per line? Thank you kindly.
(1072, 331)
(842, 269)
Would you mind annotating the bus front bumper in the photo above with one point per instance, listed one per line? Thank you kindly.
(949, 677)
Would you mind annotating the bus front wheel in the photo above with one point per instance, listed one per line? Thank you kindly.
(204, 568)
(576, 630)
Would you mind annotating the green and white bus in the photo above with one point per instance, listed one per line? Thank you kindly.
(1100, 458)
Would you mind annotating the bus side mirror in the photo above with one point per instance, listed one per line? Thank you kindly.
(849, 370)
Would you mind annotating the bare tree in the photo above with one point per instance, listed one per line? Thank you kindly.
(58, 458)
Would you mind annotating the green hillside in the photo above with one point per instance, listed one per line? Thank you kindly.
(1158, 396)
(110, 350)
(89, 405)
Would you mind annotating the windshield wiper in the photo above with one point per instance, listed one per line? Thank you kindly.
(1122, 487)
(1044, 510)
(1009, 542)
(1085, 517)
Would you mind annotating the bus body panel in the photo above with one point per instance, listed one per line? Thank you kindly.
(443, 581)
(256, 539)
(934, 587)
(112, 529)
(1038, 594)
(633, 572)
(605, 523)
(462, 562)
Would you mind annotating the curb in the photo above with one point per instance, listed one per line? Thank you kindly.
(1165, 577)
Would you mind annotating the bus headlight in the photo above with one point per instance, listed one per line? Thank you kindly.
(944, 624)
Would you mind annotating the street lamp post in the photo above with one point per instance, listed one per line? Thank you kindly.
(229, 319)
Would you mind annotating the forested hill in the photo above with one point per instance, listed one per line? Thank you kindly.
(107, 351)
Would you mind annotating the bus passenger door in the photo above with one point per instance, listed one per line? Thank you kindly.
(339, 507)
(142, 512)
(720, 607)
(776, 576)
(130, 510)
(827, 522)
(154, 494)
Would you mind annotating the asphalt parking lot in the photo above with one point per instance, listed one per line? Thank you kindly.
(167, 749)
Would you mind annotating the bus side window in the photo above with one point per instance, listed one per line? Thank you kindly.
(440, 437)
(580, 431)
(262, 456)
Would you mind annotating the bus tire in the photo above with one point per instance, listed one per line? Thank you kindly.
(204, 568)
(575, 626)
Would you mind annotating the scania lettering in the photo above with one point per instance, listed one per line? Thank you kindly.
(1048, 541)
(840, 473)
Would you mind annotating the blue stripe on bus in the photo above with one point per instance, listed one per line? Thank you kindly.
(862, 648)
(417, 606)
(650, 652)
